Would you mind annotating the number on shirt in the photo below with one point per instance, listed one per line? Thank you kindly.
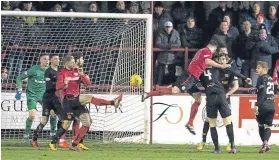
(270, 88)
(208, 74)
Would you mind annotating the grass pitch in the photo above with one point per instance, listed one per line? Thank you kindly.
(19, 151)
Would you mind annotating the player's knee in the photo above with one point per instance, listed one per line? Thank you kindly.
(206, 119)
(85, 119)
(197, 97)
(266, 126)
(260, 125)
(32, 116)
(44, 120)
(227, 120)
(66, 124)
(212, 122)
(69, 117)
(85, 99)
(175, 89)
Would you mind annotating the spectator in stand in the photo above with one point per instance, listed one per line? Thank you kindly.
(260, 20)
(264, 48)
(120, 7)
(276, 74)
(275, 32)
(93, 8)
(160, 17)
(57, 8)
(243, 13)
(180, 12)
(235, 13)
(224, 38)
(253, 15)
(190, 35)
(167, 61)
(271, 17)
(217, 15)
(232, 30)
(243, 49)
(5, 5)
(27, 6)
(133, 8)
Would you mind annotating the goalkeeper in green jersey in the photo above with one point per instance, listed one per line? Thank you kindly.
(36, 87)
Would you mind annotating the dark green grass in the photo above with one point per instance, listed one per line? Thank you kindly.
(19, 151)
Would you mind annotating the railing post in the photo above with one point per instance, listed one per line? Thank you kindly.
(186, 58)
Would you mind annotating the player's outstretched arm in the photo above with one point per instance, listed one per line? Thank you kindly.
(210, 62)
(234, 73)
(30, 72)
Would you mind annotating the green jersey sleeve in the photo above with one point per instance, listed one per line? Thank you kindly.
(30, 72)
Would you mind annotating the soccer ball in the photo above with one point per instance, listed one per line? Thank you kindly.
(135, 80)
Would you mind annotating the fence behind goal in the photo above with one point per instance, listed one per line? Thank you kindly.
(115, 47)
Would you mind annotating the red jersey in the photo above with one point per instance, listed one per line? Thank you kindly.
(275, 72)
(73, 85)
(198, 65)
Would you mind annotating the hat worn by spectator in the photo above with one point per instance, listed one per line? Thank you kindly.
(159, 4)
(262, 26)
(273, 4)
(261, 15)
(168, 24)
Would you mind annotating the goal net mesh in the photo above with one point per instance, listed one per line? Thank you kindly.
(114, 49)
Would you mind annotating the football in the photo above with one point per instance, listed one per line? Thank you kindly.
(135, 80)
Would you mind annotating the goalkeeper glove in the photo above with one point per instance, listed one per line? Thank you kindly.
(18, 95)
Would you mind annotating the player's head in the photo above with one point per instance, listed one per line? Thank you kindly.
(69, 62)
(262, 68)
(44, 60)
(212, 45)
(78, 56)
(220, 58)
(54, 59)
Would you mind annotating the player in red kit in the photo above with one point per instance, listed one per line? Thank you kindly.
(68, 90)
(190, 78)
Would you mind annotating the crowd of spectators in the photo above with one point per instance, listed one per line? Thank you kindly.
(249, 30)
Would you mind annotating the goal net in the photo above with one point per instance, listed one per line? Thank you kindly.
(115, 46)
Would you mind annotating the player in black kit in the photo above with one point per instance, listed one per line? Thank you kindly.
(265, 106)
(216, 100)
(50, 100)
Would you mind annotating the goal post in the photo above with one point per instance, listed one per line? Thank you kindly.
(115, 47)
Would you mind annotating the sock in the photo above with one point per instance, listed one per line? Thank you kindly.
(53, 122)
(267, 134)
(261, 132)
(205, 131)
(81, 134)
(75, 130)
(230, 133)
(193, 113)
(59, 133)
(214, 136)
(160, 92)
(99, 101)
(28, 126)
(38, 130)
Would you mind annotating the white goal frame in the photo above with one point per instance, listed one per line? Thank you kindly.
(148, 48)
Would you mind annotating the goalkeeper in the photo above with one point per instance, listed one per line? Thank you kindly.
(34, 92)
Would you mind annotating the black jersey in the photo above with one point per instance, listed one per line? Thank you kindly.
(226, 79)
(265, 91)
(211, 81)
(50, 77)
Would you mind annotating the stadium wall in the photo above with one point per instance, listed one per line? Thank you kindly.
(171, 113)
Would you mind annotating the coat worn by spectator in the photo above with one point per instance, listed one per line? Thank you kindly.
(275, 32)
(167, 39)
(264, 48)
(180, 13)
(190, 35)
